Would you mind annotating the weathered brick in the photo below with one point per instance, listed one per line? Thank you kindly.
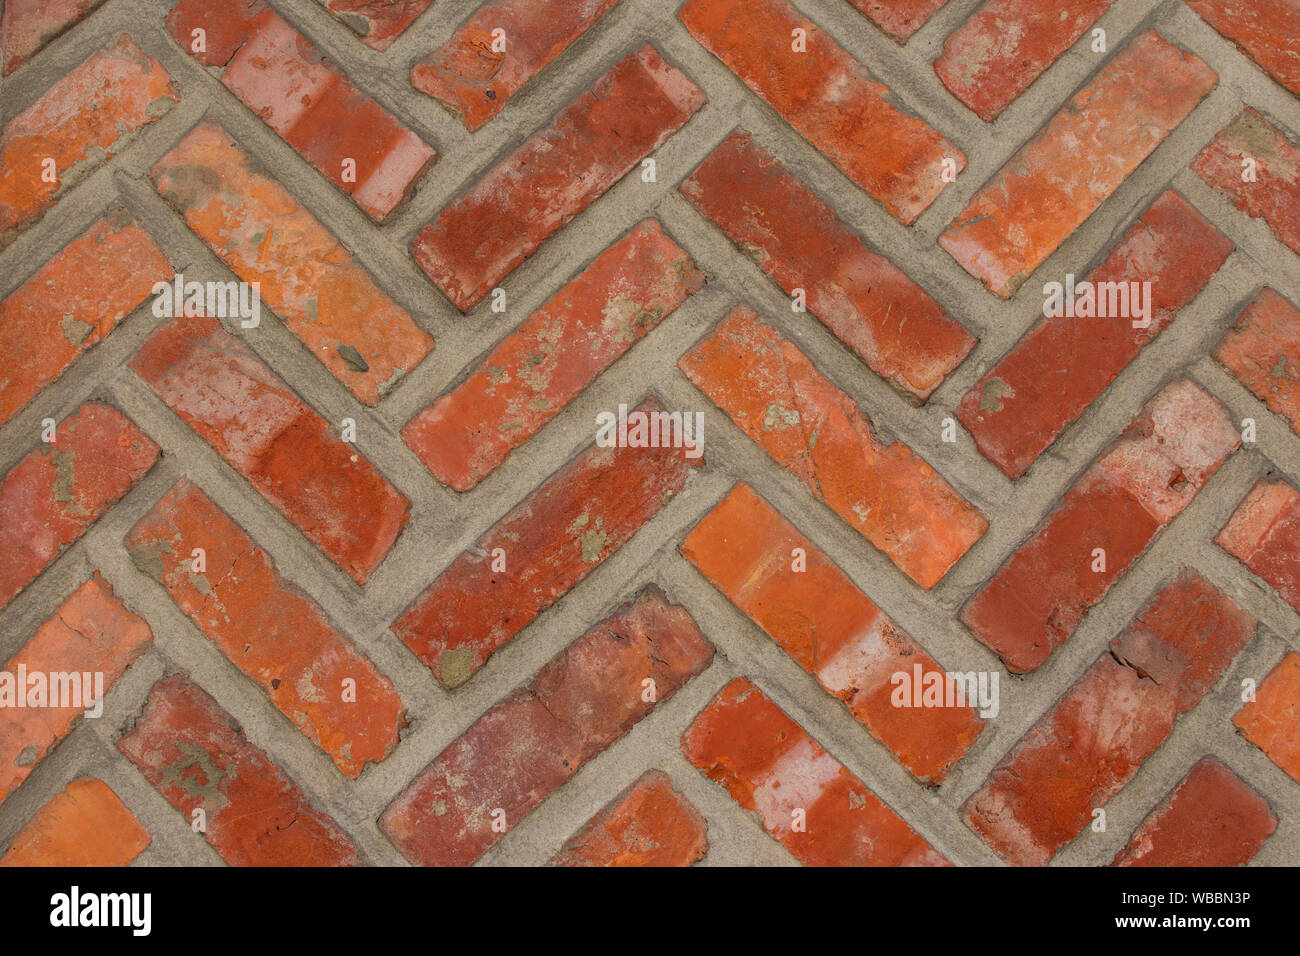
(198, 758)
(1212, 818)
(891, 496)
(830, 98)
(527, 746)
(1060, 177)
(249, 416)
(324, 296)
(27, 25)
(899, 18)
(475, 81)
(90, 632)
(280, 75)
(1263, 351)
(831, 629)
(770, 766)
(1272, 720)
(1097, 736)
(1036, 600)
(1267, 30)
(888, 321)
(1274, 195)
(997, 54)
(1264, 535)
(549, 542)
(1063, 364)
(72, 302)
(85, 825)
(539, 368)
(269, 629)
(80, 122)
(377, 24)
(648, 824)
(59, 490)
(479, 239)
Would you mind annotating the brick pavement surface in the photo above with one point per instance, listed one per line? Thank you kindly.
(369, 582)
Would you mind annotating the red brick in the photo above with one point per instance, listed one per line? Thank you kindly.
(82, 121)
(85, 825)
(377, 24)
(1063, 364)
(526, 747)
(1035, 602)
(539, 368)
(899, 18)
(324, 296)
(1268, 31)
(1097, 736)
(1060, 177)
(72, 302)
(1264, 535)
(27, 25)
(997, 54)
(1263, 351)
(648, 824)
(1275, 194)
(198, 758)
(91, 631)
(1212, 818)
(1272, 720)
(479, 239)
(281, 76)
(474, 81)
(552, 540)
(830, 98)
(888, 321)
(771, 767)
(269, 629)
(59, 490)
(251, 418)
(830, 628)
(892, 497)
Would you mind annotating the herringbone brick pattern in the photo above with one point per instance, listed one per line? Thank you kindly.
(362, 583)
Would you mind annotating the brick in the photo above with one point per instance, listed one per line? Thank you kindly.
(325, 297)
(771, 767)
(1063, 364)
(1268, 31)
(527, 746)
(830, 98)
(1040, 596)
(1093, 742)
(1274, 196)
(85, 825)
(885, 318)
(648, 824)
(377, 24)
(829, 627)
(251, 418)
(479, 239)
(283, 78)
(90, 632)
(888, 494)
(997, 54)
(51, 497)
(1263, 351)
(198, 758)
(1212, 818)
(474, 81)
(1059, 178)
(80, 122)
(1264, 535)
(552, 540)
(269, 629)
(899, 18)
(1272, 720)
(556, 353)
(72, 302)
(26, 26)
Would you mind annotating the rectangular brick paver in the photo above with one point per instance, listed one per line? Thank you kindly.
(85, 825)
(1264, 535)
(1272, 720)
(1263, 351)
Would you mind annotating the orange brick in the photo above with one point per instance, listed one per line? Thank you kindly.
(377, 24)
(648, 824)
(1268, 31)
(1263, 351)
(26, 26)
(85, 825)
(1272, 720)
(1264, 535)
(899, 18)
